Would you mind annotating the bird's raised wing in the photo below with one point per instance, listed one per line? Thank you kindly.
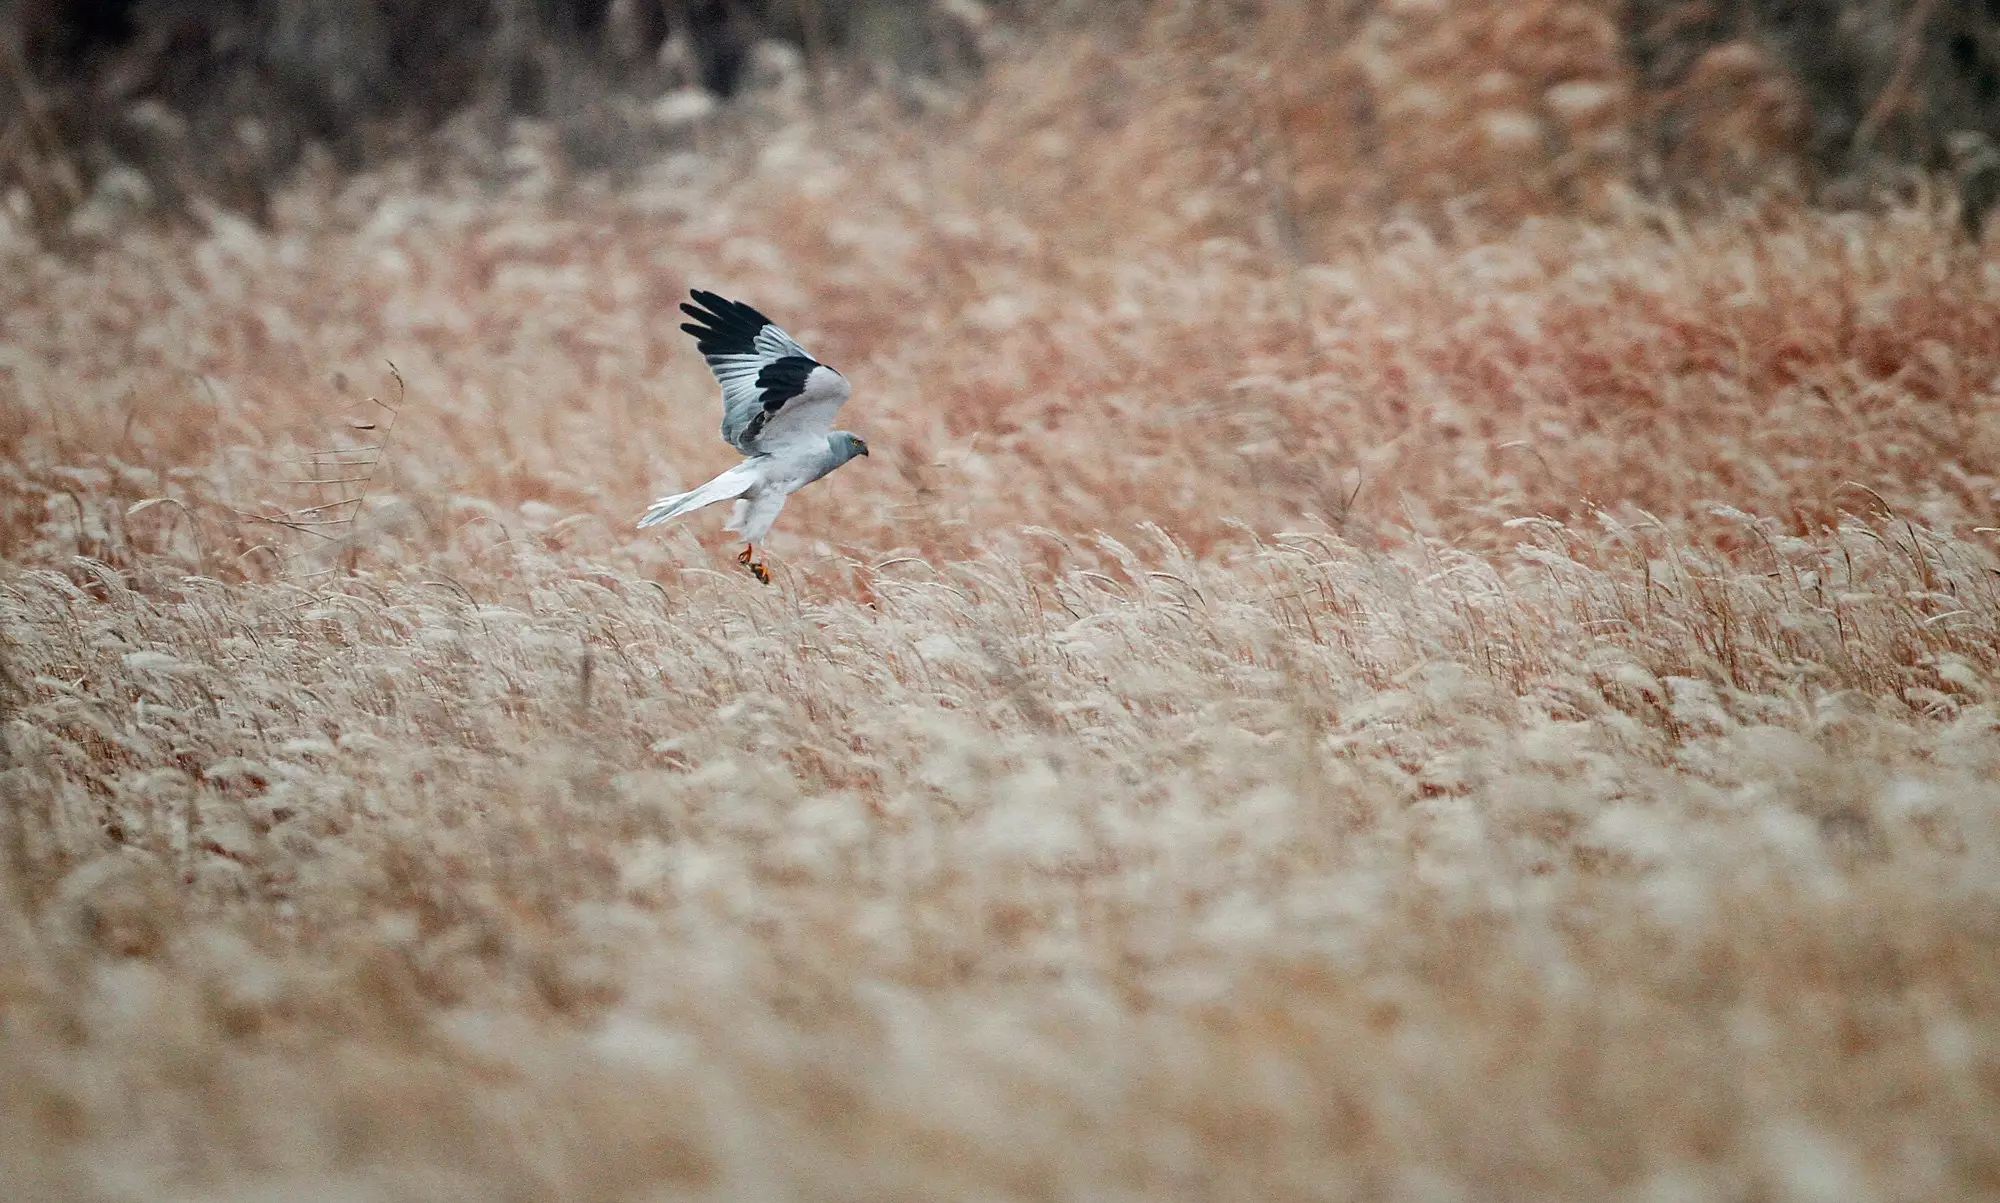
(774, 394)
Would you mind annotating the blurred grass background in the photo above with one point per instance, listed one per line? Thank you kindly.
(1423, 622)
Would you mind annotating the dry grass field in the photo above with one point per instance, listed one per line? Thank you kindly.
(1504, 713)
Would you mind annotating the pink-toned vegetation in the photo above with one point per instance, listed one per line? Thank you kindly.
(1428, 710)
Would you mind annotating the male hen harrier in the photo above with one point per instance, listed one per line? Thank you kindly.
(777, 409)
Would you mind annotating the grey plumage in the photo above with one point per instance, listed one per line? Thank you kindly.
(778, 404)
(772, 389)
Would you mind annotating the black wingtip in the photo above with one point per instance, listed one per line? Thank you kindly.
(725, 327)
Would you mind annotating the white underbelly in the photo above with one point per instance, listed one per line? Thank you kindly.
(783, 479)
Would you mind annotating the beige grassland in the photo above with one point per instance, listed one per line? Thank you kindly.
(1505, 714)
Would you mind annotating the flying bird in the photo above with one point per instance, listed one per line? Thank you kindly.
(778, 404)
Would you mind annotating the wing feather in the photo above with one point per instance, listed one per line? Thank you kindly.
(775, 395)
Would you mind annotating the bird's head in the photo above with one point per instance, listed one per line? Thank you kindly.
(847, 445)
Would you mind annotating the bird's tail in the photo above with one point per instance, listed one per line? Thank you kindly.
(733, 483)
